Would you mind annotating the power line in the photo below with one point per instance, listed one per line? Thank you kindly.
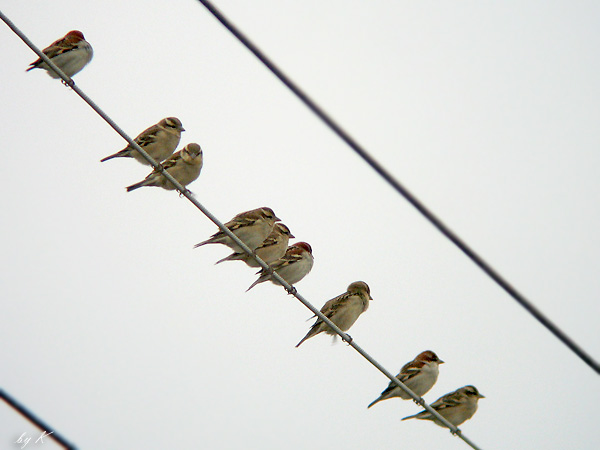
(49, 431)
(187, 194)
(430, 216)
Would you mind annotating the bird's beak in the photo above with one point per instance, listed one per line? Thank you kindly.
(370, 298)
(292, 236)
(182, 129)
(441, 362)
(481, 396)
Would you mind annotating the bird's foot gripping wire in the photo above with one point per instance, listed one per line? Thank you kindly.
(347, 339)
(420, 402)
(292, 290)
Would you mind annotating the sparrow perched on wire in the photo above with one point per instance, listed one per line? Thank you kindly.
(419, 375)
(251, 227)
(159, 141)
(292, 266)
(184, 166)
(342, 310)
(70, 53)
(456, 407)
(272, 248)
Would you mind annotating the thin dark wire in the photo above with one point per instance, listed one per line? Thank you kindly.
(435, 221)
(36, 421)
(187, 194)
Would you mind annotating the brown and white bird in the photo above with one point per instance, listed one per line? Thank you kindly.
(419, 375)
(251, 227)
(70, 53)
(292, 266)
(456, 407)
(159, 141)
(272, 248)
(184, 166)
(342, 310)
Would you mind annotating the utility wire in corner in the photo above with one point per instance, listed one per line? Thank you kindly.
(49, 432)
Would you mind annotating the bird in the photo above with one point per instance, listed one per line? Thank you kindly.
(342, 310)
(292, 266)
(272, 248)
(456, 407)
(159, 141)
(251, 227)
(419, 375)
(70, 53)
(184, 166)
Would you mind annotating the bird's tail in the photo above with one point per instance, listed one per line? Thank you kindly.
(377, 400)
(410, 417)
(136, 186)
(303, 339)
(232, 257)
(122, 154)
(235, 256)
(260, 280)
(315, 329)
(200, 244)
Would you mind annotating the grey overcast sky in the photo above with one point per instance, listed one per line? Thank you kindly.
(121, 336)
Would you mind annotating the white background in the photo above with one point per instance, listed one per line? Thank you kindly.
(121, 336)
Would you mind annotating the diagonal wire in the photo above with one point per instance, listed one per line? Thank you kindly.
(49, 431)
(186, 193)
(429, 215)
